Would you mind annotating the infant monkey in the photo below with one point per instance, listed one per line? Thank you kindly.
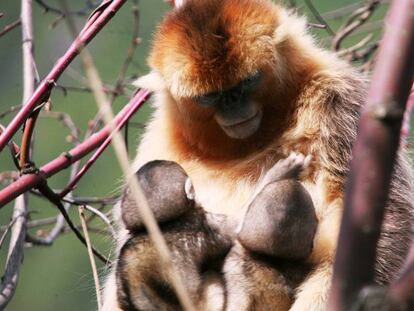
(279, 223)
(267, 261)
(197, 241)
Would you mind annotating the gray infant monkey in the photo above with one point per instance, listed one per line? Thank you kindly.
(262, 252)
(267, 261)
(198, 241)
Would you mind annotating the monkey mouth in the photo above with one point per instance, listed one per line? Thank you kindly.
(245, 128)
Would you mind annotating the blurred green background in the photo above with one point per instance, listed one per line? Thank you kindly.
(59, 277)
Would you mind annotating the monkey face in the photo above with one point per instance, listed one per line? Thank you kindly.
(235, 111)
(214, 52)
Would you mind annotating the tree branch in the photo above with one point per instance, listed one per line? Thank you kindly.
(9, 27)
(18, 229)
(374, 152)
(97, 21)
(29, 181)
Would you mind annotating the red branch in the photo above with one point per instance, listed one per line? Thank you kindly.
(374, 156)
(96, 155)
(97, 21)
(27, 182)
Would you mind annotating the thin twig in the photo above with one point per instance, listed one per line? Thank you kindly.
(98, 213)
(120, 81)
(18, 230)
(154, 231)
(60, 220)
(92, 27)
(29, 181)
(66, 121)
(10, 110)
(357, 18)
(15, 254)
(82, 12)
(83, 89)
(55, 199)
(345, 10)
(91, 257)
(9, 27)
(318, 17)
(74, 181)
(7, 229)
(355, 47)
(6, 176)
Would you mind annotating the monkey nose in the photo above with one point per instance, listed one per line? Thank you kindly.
(233, 98)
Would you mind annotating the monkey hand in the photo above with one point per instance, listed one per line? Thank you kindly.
(289, 168)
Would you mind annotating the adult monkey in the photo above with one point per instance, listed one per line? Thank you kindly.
(239, 85)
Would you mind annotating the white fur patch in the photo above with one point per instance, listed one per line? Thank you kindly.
(151, 81)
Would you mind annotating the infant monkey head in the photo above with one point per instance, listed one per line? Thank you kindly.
(167, 189)
(281, 221)
(196, 239)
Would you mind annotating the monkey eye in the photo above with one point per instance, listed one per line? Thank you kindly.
(208, 100)
(252, 81)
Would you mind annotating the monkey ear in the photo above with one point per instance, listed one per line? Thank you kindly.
(151, 81)
(189, 189)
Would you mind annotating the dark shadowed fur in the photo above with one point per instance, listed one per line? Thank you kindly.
(196, 243)
(270, 234)
(143, 282)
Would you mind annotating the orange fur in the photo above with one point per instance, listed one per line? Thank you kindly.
(310, 100)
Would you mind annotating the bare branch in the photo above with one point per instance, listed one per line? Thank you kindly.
(82, 12)
(18, 229)
(98, 213)
(29, 181)
(120, 82)
(15, 255)
(91, 258)
(9, 27)
(7, 229)
(10, 110)
(55, 199)
(374, 151)
(97, 21)
(151, 225)
(66, 120)
(344, 11)
(357, 18)
(318, 17)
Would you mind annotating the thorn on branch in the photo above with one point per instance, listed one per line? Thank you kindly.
(315, 25)
(29, 168)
